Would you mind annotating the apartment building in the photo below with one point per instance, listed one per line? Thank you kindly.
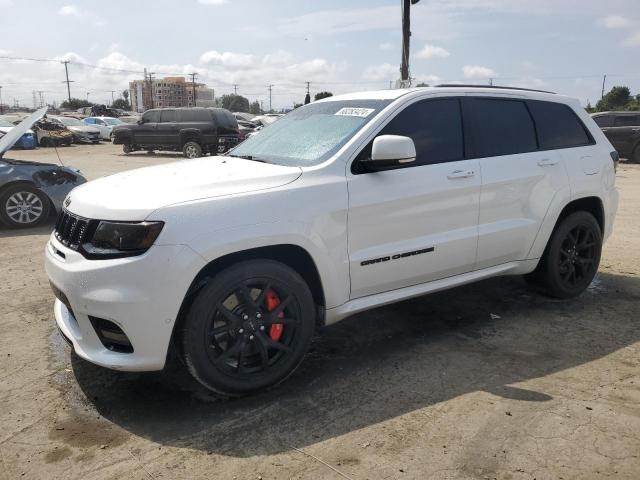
(168, 92)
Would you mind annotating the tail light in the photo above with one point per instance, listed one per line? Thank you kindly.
(615, 156)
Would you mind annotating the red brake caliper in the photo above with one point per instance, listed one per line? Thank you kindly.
(272, 300)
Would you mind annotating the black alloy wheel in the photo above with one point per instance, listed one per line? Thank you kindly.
(572, 257)
(249, 328)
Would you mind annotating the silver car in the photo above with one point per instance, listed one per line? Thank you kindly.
(29, 190)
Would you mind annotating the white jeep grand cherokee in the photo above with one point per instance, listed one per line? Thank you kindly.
(343, 205)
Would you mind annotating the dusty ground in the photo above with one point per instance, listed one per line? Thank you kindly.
(434, 388)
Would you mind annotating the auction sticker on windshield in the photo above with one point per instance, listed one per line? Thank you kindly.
(355, 112)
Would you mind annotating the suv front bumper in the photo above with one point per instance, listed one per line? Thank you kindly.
(142, 295)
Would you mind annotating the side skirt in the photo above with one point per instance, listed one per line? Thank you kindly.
(361, 304)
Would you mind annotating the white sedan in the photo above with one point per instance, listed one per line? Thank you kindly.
(104, 124)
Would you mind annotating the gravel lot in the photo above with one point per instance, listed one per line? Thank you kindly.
(485, 381)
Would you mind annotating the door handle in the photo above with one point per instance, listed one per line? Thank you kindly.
(461, 174)
(547, 162)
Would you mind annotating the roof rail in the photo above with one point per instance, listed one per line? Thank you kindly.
(493, 86)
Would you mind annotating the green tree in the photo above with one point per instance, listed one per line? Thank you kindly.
(75, 103)
(255, 108)
(125, 95)
(235, 103)
(616, 99)
(321, 95)
(122, 104)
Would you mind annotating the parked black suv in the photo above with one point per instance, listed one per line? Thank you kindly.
(623, 131)
(195, 131)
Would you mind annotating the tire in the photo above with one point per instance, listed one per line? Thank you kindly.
(571, 258)
(126, 148)
(192, 150)
(635, 156)
(46, 142)
(257, 343)
(23, 206)
(221, 149)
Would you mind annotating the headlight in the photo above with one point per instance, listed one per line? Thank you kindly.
(122, 239)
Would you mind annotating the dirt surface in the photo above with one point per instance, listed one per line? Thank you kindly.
(487, 381)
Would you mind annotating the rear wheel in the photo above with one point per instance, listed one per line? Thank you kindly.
(572, 257)
(126, 148)
(46, 142)
(192, 150)
(23, 206)
(249, 328)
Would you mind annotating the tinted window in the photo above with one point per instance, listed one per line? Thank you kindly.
(151, 116)
(604, 120)
(435, 127)
(626, 121)
(195, 115)
(169, 116)
(502, 127)
(558, 126)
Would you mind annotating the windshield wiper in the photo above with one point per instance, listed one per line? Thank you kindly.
(248, 157)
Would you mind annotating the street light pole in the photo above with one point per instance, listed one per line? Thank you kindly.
(406, 36)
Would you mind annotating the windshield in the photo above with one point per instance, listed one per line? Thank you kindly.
(311, 134)
(4, 123)
(112, 121)
(70, 121)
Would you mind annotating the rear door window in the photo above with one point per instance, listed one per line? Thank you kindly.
(169, 116)
(501, 127)
(558, 126)
(627, 121)
(195, 115)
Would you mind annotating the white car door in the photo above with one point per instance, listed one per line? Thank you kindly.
(520, 178)
(105, 131)
(417, 223)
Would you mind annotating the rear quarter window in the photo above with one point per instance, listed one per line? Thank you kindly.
(195, 115)
(558, 126)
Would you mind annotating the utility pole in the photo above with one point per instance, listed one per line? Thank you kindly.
(67, 81)
(235, 89)
(604, 80)
(270, 89)
(1, 106)
(307, 98)
(491, 82)
(88, 96)
(33, 94)
(193, 87)
(112, 99)
(150, 87)
(406, 35)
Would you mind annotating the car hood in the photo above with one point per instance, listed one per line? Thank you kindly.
(9, 139)
(134, 195)
(8, 129)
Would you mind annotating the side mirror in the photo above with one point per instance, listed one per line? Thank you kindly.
(140, 121)
(390, 151)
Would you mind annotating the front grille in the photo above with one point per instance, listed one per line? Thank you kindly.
(72, 231)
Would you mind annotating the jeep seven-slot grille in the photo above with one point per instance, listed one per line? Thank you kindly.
(72, 231)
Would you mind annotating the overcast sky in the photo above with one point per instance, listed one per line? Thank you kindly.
(338, 45)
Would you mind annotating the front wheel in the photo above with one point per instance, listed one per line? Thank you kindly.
(23, 206)
(572, 256)
(249, 328)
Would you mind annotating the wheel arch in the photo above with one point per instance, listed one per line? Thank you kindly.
(591, 204)
(189, 135)
(291, 255)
